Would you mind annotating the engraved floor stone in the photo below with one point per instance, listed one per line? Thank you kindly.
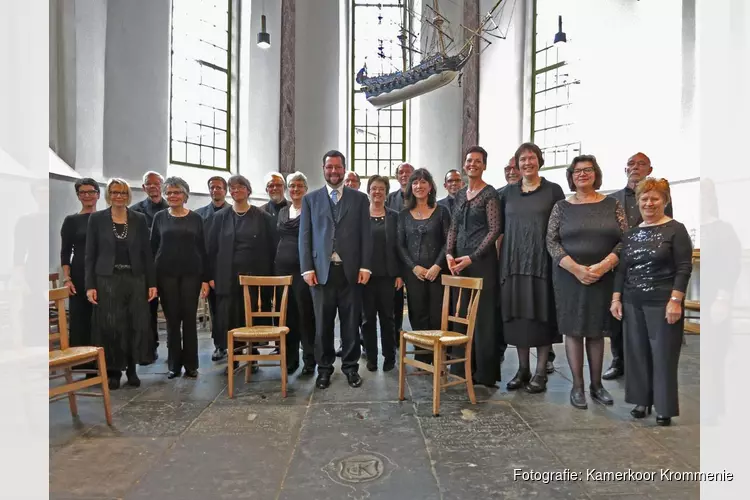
(151, 419)
(278, 423)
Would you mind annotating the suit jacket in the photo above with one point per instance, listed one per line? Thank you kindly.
(100, 247)
(392, 259)
(395, 200)
(220, 248)
(149, 209)
(352, 232)
(207, 212)
(448, 202)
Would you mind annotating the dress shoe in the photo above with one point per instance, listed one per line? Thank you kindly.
(578, 398)
(519, 380)
(537, 384)
(133, 379)
(292, 368)
(614, 371)
(640, 411)
(372, 365)
(663, 421)
(218, 354)
(600, 395)
(339, 353)
(113, 383)
(172, 374)
(191, 373)
(308, 370)
(323, 381)
(550, 367)
(389, 364)
(354, 379)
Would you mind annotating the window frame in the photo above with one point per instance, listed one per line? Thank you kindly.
(228, 131)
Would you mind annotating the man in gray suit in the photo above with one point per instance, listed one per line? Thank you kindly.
(335, 248)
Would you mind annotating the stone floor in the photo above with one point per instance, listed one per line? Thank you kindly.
(185, 439)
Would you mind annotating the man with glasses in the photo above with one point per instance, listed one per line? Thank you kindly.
(452, 183)
(153, 203)
(217, 187)
(352, 180)
(637, 168)
(276, 188)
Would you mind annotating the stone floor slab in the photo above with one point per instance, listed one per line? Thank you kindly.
(151, 419)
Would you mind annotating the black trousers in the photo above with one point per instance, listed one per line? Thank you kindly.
(337, 295)
(301, 322)
(179, 300)
(398, 310)
(154, 322)
(377, 302)
(214, 322)
(80, 313)
(425, 299)
(616, 343)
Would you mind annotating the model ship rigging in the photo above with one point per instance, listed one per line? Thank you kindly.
(440, 62)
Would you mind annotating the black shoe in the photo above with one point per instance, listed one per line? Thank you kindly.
(114, 383)
(518, 381)
(600, 395)
(578, 398)
(389, 364)
(354, 379)
(537, 384)
(133, 379)
(191, 373)
(323, 381)
(372, 365)
(640, 411)
(171, 374)
(614, 371)
(308, 370)
(550, 367)
(663, 421)
(292, 368)
(218, 354)
(339, 353)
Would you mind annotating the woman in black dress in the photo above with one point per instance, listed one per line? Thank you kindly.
(422, 231)
(120, 282)
(240, 242)
(378, 293)
(527, 301)
(179, 248)
(72, 258)
(300, 314)
(655, 267)
(584, 238)
(470, 251)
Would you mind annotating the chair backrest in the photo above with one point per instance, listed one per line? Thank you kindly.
(58, 296)
(461, 298)
(54, 280)
(267, 302)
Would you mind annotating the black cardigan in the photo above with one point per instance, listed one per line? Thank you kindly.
(100, 247)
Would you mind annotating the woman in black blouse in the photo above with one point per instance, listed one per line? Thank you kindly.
(378, 294)
(300, 316)
(120, 282)
(655, 267)
(181, 274)
(240, 242)
(72, 259)
(422, 230)
(470, 251)
(527, 301)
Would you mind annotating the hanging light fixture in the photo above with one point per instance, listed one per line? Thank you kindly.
(264, 39)
(560, 36)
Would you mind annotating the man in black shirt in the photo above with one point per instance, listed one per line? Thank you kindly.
(217, 186)
(275, 187)
(637, 168)
(453, 183)
(395, 201)
(153, 203)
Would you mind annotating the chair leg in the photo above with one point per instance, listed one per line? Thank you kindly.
(230, 365)
(282, 350)
(437, 361)
(469, 378)
(71, 395)
(401, 367)
(248, 371)
(102, 365)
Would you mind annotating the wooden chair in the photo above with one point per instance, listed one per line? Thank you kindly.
(693, 307)
(54, 282)
(438, 341)
(260, 334)
(66, 357)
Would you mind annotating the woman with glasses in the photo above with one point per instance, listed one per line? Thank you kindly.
(120, 282)
(72, 259)
(181, 275)
(584, 238)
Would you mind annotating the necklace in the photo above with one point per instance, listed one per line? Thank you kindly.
(530, 187)
(243, 213)
(585, 200)
(119, 236)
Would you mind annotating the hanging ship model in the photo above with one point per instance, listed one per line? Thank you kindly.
(440, 62)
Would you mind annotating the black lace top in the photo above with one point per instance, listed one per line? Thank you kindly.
(287, 251)
(422, 242)
(475, 224)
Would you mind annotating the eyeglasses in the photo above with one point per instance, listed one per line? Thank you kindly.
(91, 192)
(118, 193)
(174, 193)
(580, 171)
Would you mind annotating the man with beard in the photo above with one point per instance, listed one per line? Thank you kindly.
(637, 168)
(453, 183)
(217, 187)
(153, 203)
(335, 248)
(275, 187)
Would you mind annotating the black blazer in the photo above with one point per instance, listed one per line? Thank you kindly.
(221, 247)
(100, 247)
(392, 259)
(448, 202)
(353, 235)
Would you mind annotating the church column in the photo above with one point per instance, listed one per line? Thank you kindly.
(286, 109)
(470, 82)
